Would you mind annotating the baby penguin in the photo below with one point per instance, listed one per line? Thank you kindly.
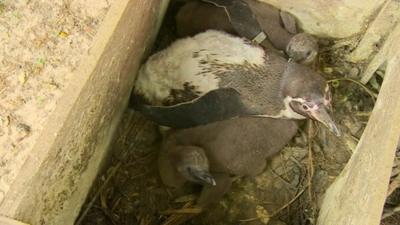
(212, 154)
(233, 17)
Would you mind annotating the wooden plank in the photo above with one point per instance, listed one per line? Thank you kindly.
(388, 48)
(358, 194)
(8, 221)
(54, 181)
(377, 32)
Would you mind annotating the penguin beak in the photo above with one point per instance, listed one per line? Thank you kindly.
(203, 177)
(320, 114)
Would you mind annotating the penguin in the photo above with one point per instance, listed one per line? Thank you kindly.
(213, 155)
(214, 76)
(250, 19)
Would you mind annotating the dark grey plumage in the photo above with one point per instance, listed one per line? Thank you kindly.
(280, 27)
(236, 147)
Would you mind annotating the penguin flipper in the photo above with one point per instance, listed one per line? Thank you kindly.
(216, 105)
(289, 22)
(241, 17)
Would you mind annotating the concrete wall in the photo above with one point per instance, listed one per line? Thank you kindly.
(330, 18)
(53, 183)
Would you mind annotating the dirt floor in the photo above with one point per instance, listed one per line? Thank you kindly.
(42, 43)
(130, 191)
(290, 190)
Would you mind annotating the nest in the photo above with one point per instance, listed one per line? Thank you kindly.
(291, 189)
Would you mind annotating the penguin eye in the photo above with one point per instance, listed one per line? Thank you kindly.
(305, 107)
(308, 53)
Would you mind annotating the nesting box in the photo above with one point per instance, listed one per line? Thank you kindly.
(53, 183)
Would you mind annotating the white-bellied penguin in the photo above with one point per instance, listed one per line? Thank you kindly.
(212, 154)
(252, 19)
(214, 76)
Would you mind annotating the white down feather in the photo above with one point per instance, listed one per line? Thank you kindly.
(174, 66)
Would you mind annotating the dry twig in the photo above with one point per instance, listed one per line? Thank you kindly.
(97, 194)
(281, 208)
(191, 210)
(391, 213)
(366, 89)
(176, 219)
(310, 166)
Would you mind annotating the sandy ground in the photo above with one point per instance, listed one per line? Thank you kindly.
(41, 45)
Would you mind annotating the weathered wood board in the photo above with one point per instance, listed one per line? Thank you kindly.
(8, 221)
(358, 194)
